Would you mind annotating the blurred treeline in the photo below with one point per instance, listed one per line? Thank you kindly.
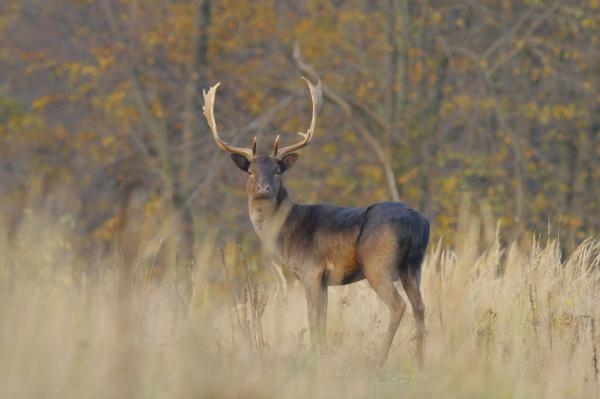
(434, 102)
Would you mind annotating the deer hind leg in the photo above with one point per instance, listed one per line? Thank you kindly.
(378, 254)
(410, 282)
(385, 289)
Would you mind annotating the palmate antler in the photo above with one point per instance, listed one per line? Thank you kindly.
(208, 108)
(316, 94)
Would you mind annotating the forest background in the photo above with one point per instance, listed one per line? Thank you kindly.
(436, 103)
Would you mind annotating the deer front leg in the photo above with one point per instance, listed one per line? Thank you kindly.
(316, 300)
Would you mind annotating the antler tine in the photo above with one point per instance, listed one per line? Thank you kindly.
(316, 95)
(208, 108)
(275, 146)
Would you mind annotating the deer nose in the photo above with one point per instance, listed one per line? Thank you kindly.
(263, 188)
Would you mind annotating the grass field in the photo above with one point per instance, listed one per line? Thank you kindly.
(503, 322)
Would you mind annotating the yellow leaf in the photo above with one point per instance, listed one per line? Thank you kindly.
(41, 102)
(107, 141)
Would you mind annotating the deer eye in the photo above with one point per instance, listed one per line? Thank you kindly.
(278, 173)
(250, 173)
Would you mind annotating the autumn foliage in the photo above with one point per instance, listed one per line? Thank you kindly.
(495, 102)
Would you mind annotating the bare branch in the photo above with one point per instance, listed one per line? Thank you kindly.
(504, 38)
(362, 130)
(532, 28)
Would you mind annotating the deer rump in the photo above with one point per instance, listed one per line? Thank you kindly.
(354, 243)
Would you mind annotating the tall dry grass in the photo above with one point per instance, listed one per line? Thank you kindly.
(503, 322)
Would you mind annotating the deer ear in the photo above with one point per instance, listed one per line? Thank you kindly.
(287, 161)
(241, 161)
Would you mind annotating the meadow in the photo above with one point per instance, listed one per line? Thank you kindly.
(515, 320)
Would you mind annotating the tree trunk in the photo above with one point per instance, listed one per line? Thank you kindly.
(196, 77)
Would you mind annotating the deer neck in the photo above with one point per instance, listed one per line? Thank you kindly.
(269, 216)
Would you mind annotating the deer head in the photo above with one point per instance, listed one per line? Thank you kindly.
(264, 172)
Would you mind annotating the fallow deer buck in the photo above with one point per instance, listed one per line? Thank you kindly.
(328, 245)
